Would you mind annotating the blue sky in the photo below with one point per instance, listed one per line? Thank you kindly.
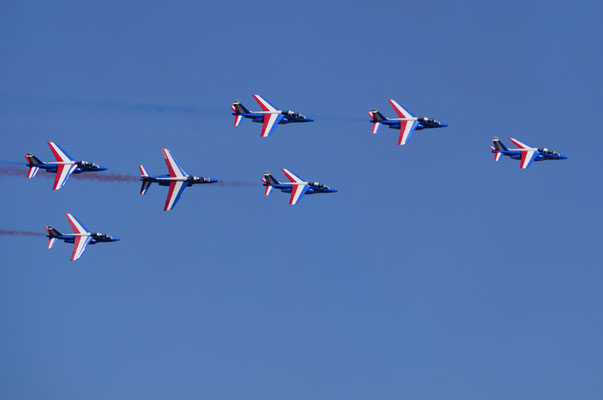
(433, 272)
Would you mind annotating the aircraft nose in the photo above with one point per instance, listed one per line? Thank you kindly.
(212, 180)
(443, 125)
(309, 119)
(101, 168)
(334, 190)
(114, 239)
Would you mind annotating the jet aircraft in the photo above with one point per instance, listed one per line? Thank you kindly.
(524, 153)
(297, 187)
(406, 122)
(270, 116)
(80, 237)
(63, 167)
(177, 180)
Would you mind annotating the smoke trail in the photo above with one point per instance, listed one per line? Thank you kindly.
(101, 176)
(234, 184)
(158, 108)
(106, 177)
(19, 233)
(91, 176)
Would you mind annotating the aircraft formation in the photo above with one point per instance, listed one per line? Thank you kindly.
(270, 117)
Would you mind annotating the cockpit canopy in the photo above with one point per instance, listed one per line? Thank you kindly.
(199, 179)
(547, 151)
(319, 185)
(430, 121)
(290, 113)
(87, 164)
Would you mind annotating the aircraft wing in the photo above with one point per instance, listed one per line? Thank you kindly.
(291, 176)
(527, 157)
(270, 122)
(406, 130)
(176, 189)
(264, 104)
(520, 145)
(297, 192)
(79, 245)
(76, 225)
(174, 167)
(528, 154)
(401, 111)
(60, 154)
(64, 171)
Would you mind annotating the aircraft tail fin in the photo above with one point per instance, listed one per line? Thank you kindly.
(497, 148)
(145, 184)
(52, 235)
(269, 180)
(52, 232)
(33, 160)
(33, 163)
(498, 144)
(376, 118)
(238, 109)
(376, 115)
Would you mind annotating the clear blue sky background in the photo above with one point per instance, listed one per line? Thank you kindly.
(433, 273)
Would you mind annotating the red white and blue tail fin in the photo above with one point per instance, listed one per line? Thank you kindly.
(32, 172)
(497, 154)
(52, 233)
(33, 163)
(376, 118)
(498, 148)
(238, 109)
(145, 184)
(268, 188)
(269, 180)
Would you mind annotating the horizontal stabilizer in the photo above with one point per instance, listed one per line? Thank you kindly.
(145, 186)
(268, 189)
(32, 172)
